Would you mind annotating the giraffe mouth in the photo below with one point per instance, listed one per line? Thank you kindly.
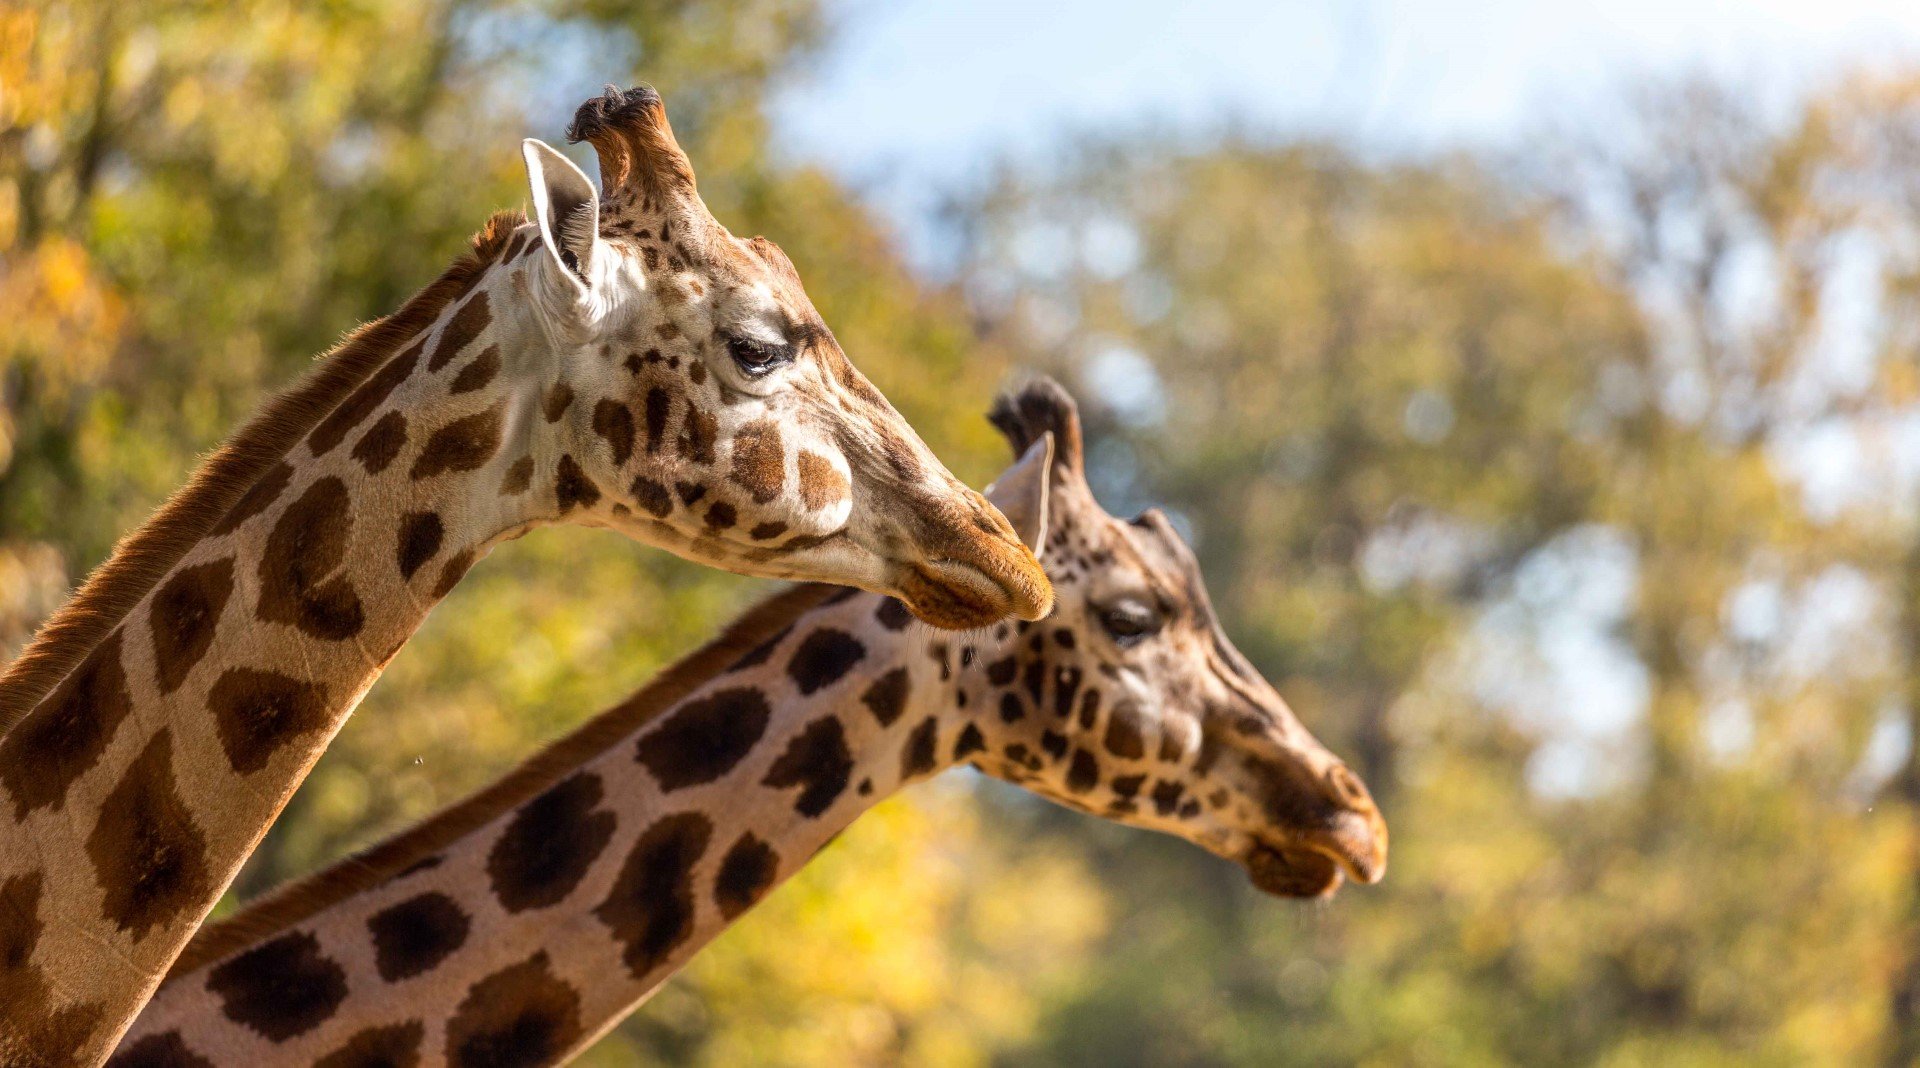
(956, 595)
(1298, 873)
(1350, 847)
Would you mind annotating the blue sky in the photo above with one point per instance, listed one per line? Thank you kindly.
(917, 96)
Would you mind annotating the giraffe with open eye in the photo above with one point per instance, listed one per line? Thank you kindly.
(620, 360)
(521, 923)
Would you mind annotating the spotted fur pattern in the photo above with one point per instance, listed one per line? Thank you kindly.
(513, 927)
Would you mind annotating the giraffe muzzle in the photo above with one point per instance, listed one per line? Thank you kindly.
(1351, 845)
(958, 595)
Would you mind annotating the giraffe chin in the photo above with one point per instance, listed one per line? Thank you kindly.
(952, 595)
(1295, 873)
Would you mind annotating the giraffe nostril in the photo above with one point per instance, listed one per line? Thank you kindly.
(1348, 788)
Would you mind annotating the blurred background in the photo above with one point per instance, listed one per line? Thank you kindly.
(1539, 383)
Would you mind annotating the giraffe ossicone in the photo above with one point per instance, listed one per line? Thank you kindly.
(619, 360)
(516, 926)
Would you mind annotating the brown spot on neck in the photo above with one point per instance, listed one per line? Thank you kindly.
(613, 421)
(280, 989)
(658, 408)
(452, 572)
(817, 761)
(63, 738)
(705, 739)
(382, 442)
(522, 1014)
(299, 584)
(413, 936)
(824, 658)
(258, 713)
(886, 697)
(462, 445)
(263, 493)
(559, 398)
(364, 401)
(420, 537)
(918, 757)
(149, 856)
(388, 1046)
(549, 844)
(652, 496)
(518, 477)
(477, 373)
(651, 908)
(572, 488)
(746, 874)
(183, 617)
(466, 324)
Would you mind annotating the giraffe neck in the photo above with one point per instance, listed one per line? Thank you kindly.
(520, 926)
(131, 793)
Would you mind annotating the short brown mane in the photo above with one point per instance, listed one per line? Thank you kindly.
(143, 557)
(287, 905)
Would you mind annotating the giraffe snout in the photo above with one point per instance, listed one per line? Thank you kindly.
(1337, 818)
(972, 568)
(1310, 805)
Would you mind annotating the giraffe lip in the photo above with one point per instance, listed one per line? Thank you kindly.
(1350, 846)
(953, 594)
(1296, 873)
(960, 595)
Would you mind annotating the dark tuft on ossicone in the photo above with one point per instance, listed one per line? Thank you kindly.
(612, 109)
(1038, 407)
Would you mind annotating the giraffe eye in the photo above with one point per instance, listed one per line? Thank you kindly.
(1131, 622)
(756, 357)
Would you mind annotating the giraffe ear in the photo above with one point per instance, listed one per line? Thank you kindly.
(1021, 492)
(566, 206)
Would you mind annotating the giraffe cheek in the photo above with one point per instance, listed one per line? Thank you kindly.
(804, 522)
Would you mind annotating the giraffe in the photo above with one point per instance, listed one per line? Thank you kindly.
(517, 926)
(619, 360)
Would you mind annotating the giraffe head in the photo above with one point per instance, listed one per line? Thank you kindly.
(1129, 701)
(704, 406)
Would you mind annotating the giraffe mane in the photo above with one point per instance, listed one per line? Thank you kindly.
(142, 558)
(293, 902)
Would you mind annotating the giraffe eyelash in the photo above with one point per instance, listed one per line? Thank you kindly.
(756, 357)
